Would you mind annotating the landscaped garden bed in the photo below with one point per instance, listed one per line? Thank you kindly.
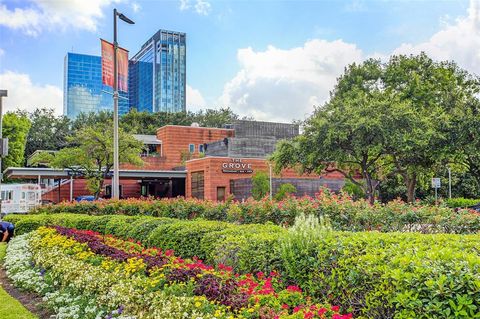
(83, 274)
(368, 274)
(343, 212)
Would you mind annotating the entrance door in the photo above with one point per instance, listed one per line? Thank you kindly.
(221, 193)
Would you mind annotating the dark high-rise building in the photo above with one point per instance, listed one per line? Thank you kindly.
(157, 74)
(83, 90)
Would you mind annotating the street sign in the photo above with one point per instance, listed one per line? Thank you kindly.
(436, 182)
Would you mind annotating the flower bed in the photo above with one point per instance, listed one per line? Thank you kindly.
(376, 275)
(343, 213)
(83, 274)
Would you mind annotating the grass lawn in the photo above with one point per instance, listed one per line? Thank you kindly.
(10, 308)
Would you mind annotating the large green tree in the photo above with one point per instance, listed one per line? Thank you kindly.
(408, 117)
(92, 155)
(15, 127)
(48, 131)
(346, 135)
(432, 95)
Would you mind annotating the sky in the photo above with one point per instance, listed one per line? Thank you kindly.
(271, 60)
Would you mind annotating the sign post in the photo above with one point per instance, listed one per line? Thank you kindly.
(436, 183)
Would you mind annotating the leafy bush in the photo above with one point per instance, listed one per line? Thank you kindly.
(285, 190)
(260, 185)
(381, 275)
(341, 210)
(461, 202)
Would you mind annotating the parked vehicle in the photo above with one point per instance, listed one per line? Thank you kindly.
(85, 198)
(20, 198)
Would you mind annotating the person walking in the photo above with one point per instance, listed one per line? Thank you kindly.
(6, 231)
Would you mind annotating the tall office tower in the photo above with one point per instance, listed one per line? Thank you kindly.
(157, 74)
(83, 90)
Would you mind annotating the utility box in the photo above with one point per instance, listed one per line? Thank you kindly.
(4, 147)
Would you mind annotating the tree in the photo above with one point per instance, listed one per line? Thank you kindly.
(408, 117)
(92, 156)
(285, 190)
(432, 95)
(48, 131)
(260, 185)
(346, 135)
(15, 127)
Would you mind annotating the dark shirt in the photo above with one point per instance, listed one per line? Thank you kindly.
(4, 226)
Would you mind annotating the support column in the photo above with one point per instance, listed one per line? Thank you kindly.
(71, 188)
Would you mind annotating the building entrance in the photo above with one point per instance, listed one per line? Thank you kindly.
(163, 188)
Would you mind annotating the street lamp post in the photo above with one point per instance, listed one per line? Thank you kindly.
(116, 165)
(3, 93)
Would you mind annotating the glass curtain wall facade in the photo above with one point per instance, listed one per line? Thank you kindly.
(157, 74)
(83, 89)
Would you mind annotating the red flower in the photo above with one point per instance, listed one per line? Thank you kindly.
(335, 308)
(294, 289)
(321, 311)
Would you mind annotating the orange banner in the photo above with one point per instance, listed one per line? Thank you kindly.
(107, 66)
(107, 63)
(122, 62)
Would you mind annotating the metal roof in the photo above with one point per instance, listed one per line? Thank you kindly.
(147, 139)
(44, 172)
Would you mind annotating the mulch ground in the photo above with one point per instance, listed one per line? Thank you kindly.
(31, 301)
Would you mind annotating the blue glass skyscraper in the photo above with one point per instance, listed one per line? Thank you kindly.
(157, 74)
(83, 90)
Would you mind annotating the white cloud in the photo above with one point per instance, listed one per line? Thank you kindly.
(2, 52)
(201, 7)
(25, 95)
(136, 7)
(195, 100)
(43, 15)
(458, 41)
(281, 85)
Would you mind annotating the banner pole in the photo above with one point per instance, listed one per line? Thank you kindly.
(116, 179)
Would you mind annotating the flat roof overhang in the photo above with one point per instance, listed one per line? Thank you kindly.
(35, 172)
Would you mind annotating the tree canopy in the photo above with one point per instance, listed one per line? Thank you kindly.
(92, 154)
(16, 126)
(407, 117)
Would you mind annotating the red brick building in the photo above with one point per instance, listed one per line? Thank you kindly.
(192, 161)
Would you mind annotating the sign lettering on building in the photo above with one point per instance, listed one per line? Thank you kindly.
(237, 166)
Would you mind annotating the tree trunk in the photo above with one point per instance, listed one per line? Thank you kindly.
(411, 183)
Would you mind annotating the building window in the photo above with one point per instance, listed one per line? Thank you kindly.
(197, 185)
(191, 148)
(200, 148)
(7, 195)
(108, 191)
(221, 193)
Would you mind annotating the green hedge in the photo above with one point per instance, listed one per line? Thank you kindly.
(461, 202)
(344, 213)
(382, 275)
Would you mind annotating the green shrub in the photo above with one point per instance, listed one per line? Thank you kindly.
(461, 202)
(284, 191)
(343, 212)
(142, 227)
(260, 185)
(381, 275)
(185, 237)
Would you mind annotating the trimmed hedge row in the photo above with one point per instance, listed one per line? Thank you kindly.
(394, 275)
(343, 213)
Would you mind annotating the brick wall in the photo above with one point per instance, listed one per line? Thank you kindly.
(176, 139)
(214, 177)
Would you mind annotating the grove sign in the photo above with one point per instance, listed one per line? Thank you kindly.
(237, 166)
